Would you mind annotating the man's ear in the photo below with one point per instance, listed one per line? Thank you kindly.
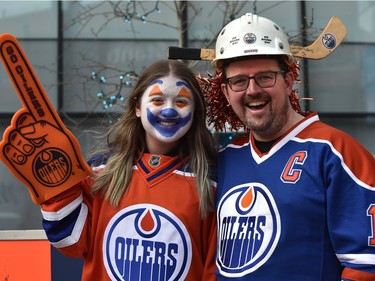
(289, 80)
(225, 92)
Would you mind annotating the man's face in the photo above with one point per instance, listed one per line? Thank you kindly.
(265, 111)
(166, 110)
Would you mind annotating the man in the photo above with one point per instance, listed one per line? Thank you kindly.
(296, 198)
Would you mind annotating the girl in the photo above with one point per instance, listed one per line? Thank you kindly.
(147, 212)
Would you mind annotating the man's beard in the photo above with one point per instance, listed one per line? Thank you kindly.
(268, 124)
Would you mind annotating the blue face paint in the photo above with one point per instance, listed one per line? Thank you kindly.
(167, 127)
(183, 83)
(169, 113)
(157, 81)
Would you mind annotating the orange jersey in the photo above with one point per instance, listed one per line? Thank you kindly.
(155, 233)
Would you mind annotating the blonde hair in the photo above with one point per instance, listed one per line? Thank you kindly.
(127, 136)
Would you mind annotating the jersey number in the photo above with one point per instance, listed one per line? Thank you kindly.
(371, 213)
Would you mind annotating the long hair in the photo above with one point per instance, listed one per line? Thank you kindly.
(127, 136)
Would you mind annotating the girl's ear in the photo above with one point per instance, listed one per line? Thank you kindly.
(138, 110)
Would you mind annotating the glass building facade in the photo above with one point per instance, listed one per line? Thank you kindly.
(87, 55)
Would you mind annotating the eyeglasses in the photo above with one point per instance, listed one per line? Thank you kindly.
(265, 79)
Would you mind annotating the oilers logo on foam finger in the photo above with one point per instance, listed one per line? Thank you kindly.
(52, 167)
(146, 242)
(249, 225)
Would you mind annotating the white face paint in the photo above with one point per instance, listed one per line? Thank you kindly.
(166, 109)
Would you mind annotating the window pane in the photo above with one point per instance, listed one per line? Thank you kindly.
(344, 81)
(29, 18)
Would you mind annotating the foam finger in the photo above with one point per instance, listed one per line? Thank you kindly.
(25, 81)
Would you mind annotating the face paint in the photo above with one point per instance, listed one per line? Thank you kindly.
(166, 109)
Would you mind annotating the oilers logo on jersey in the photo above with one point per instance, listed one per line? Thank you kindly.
(249, 226)
(137, 245)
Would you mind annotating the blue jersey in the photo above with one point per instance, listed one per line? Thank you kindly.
(304, 211)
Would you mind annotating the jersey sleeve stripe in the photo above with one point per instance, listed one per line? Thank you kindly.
(62, 213)
(67, 231)
(350, 274)
(357, 258)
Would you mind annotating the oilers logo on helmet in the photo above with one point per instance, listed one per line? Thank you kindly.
(146, 242)
(249, 38)
(249, 225)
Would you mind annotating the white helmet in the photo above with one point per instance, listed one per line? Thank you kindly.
(250, 35)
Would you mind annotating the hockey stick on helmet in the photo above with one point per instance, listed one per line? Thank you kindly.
(325, 44)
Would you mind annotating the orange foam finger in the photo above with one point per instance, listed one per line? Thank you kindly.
(54, 163)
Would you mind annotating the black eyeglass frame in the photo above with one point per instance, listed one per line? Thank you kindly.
(227, 80)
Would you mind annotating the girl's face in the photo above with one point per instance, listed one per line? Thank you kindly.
(166, 111)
